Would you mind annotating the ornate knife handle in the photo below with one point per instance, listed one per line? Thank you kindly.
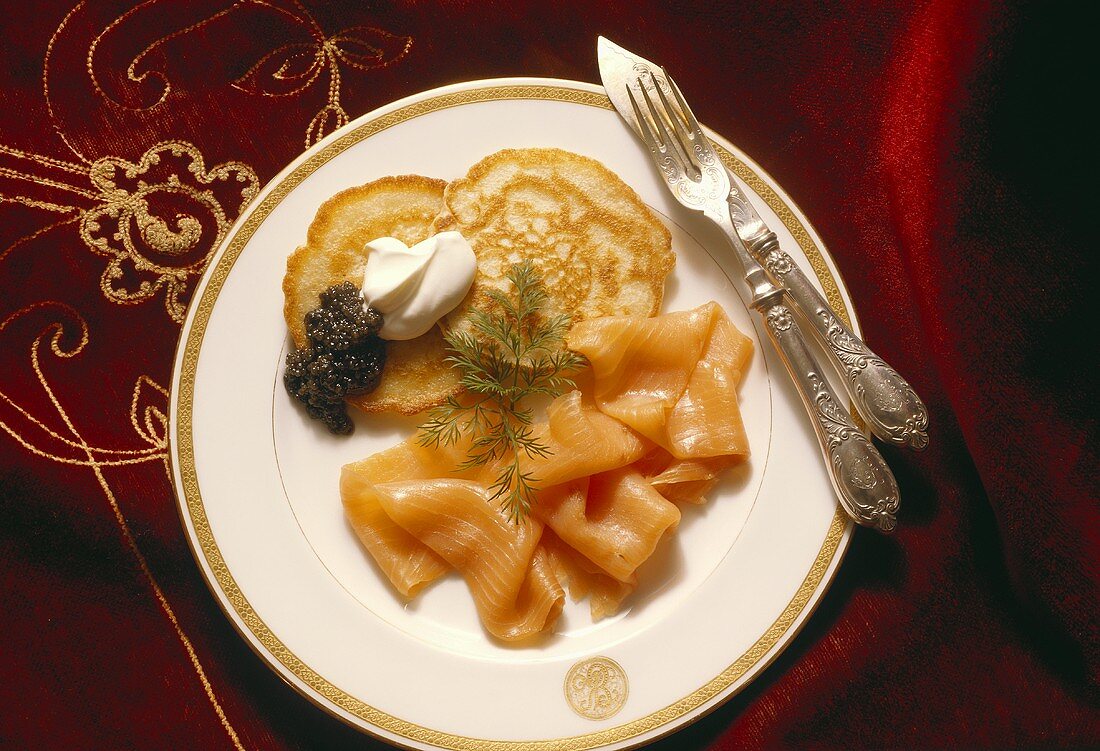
(860, 476)
(886, 401)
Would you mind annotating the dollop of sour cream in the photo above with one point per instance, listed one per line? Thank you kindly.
(414, 287)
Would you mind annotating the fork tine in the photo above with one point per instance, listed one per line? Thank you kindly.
(679, 122)
(683, 137)
(654, 113)
(689, 117)
(659, 118)
(647, 133)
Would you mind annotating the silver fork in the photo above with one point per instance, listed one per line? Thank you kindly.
(698, 180)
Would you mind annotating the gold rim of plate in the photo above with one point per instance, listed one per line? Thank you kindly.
(192, 496)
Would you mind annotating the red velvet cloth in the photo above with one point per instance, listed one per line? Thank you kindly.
(938, 147)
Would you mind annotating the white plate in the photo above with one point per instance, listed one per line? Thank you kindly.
(257, 482)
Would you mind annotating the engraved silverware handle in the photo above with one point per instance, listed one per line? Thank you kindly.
(892, 409)
(859, 475)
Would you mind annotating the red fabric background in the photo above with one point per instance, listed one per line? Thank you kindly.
(938, 147)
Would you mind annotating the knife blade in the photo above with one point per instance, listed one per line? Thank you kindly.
(885, 400)
(697, 179)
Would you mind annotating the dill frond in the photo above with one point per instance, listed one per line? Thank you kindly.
(506, 358)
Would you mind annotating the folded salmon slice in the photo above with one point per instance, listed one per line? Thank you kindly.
(513, 585)
(614, 519)
(582, 441)
(683, 480)
(408, 563)
(584, 579)
(672, 378)
(706, 420)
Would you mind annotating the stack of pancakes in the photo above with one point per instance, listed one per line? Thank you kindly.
(599, 251)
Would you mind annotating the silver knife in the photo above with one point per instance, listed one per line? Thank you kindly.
(890, 406)
(643, 95)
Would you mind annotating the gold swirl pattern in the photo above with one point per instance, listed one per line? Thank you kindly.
(157, 221)
(140, 243)
(596, 688)
(293, 68)
(119, 207)
(131, 219)
(285, 71)
(65, 444)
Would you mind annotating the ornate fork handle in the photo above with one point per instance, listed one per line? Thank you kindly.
(886, 401)
(859, 475)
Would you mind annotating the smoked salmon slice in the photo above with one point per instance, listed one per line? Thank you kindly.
(672, 378)
(582, 441)
(408, 563)
(514, 589)
(683, 480)
(585, 579)
(706, 421)
(689, 480)
(614, 519)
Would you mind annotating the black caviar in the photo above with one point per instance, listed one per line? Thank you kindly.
(344, 357)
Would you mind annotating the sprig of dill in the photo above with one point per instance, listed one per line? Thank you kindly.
(509, 355)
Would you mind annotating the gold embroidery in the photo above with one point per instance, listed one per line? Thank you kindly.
(300, 64)
(153, 430)
(47, 163)
(125, 197)
(149, 423)
(37, 233)
(101, 456)
(37, 205)
(131, 69)
(153, 423)
(17, 175)
(76, 169)
(286, 71)
(125, 226)
(147, 413)
(54, 120)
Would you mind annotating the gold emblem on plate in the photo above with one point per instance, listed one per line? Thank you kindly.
(596, 688)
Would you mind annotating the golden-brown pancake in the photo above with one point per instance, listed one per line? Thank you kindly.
(599, 249)
(415, 377)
